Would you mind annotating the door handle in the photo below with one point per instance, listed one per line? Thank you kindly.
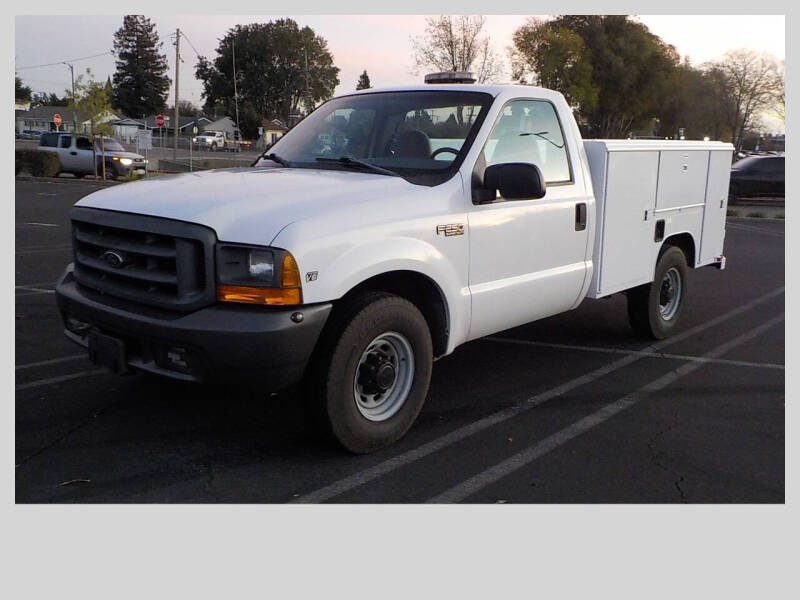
(580, 216)
(73, 153)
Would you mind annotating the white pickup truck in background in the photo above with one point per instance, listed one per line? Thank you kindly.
(385, 230)
(219, 140)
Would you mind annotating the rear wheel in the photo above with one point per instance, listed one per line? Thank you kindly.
(370, 375)
(213, 146)
(655, 308)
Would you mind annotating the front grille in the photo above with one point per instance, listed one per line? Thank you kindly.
(153, 261)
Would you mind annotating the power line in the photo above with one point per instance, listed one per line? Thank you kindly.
(191, 44)
(63, 61)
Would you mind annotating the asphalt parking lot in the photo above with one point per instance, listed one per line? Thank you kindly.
(569, 409)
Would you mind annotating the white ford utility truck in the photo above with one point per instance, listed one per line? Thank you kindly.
(383, 231)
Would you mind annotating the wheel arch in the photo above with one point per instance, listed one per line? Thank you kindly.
(419, 289)
(683, 240)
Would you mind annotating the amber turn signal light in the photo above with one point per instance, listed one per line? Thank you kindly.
(258, 295)
(288, 294)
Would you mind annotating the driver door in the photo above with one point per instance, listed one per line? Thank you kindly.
(528, 258)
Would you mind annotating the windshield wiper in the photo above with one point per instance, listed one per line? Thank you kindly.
(541, 134)
(356, 162)
(275, 158)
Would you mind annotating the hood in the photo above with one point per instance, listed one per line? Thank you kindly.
(124, 154)
(247, 205)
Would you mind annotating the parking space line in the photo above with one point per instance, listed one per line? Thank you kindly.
(38, 285)
(755, 229)
(366, 475)
(52, 361)
(476, 483)
(32, 290)
(643, 353)
(49, 380)
(43, 249)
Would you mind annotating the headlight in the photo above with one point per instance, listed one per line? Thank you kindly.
(126, 161)
(253, 275)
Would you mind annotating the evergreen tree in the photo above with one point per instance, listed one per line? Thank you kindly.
(141, 68)
(22, 93)
(363, 81)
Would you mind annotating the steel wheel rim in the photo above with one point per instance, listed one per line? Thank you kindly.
(384, 376)
(670, 294)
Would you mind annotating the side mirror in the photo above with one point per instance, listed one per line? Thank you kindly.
(515, 181)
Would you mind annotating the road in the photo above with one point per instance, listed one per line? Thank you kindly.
(568, 409)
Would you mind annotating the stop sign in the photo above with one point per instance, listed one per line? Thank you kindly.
(57, 119)
(159, 120)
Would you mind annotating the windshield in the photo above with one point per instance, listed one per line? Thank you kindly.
(422, 136)
(110, 145)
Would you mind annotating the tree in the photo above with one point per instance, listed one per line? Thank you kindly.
(92, 98)
(748, 84)
(780, 96)
(186, 109)
(457, 43)
(692, 104)
(280, 70)
(54, 100)
(140, 83)
(554, 57)
(613, 69)
(363, 81)
(22, 93)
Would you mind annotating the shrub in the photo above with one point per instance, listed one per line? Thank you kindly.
(732, 213)
(756, 215)
(37, 163)
(780, 216)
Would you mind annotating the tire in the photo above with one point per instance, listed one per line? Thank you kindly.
(214, 146)
(654, 309)
(361, 402)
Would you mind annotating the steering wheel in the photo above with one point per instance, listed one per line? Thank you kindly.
(445, 149)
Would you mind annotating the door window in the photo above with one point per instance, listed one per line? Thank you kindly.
(83, 143)
(65, 141)
(529, 131)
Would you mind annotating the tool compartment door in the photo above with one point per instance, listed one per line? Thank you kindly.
(719, 176)
(627, 242)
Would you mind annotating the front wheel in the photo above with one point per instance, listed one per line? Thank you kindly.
(371, 373)
(655, 308)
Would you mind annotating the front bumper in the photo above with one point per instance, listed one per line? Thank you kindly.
(222, 342)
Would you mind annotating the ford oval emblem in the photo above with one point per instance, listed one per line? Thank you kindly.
(114, 259)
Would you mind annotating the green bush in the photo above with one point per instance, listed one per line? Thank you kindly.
(732, 213)
(756, 215)
(37, 163)
(780, 216)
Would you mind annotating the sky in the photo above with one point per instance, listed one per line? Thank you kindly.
(378, 43)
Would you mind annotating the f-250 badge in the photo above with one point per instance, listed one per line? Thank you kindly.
(451, 229)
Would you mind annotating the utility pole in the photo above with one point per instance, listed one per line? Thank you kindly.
(235, 94)
(177, 65)
(72, 74)
(308, 95)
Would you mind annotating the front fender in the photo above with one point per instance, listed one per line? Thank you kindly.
(335, 268)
